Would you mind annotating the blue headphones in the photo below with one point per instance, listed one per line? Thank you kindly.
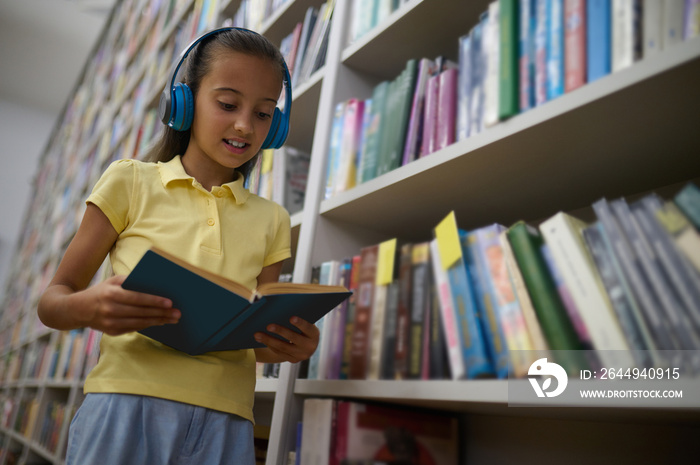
(176, 106)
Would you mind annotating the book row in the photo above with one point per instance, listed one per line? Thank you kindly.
(521, 54)
(36, 421)
(366, 14)
(70, 356)
(622, 290)
(339, 432)
(281, 176)
(304, 49)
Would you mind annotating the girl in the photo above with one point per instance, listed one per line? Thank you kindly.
(147, 403)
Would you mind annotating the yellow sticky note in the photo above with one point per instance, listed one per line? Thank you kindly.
(448, 241)
(385, 262)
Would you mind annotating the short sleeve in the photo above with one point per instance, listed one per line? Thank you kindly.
(280, 248)
(113, 193)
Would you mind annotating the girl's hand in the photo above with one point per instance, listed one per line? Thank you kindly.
(300, 346)
(109, 308)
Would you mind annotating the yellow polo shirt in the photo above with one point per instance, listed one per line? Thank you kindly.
(227, 231)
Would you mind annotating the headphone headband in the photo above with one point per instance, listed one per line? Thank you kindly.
(176, 105)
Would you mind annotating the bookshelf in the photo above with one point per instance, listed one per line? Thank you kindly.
(626, 134)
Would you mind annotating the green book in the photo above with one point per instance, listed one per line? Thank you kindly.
(557, 327)
(387, 131)
(405, 87)
(371, 152)
(508, 102)
(220, 314)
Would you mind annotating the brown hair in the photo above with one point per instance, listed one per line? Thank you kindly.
(197, 65)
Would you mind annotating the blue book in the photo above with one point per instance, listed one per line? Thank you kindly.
(527, 52)
(486, 304)
(220, 314)
(555, 48)
(474, 351)
(598, 41)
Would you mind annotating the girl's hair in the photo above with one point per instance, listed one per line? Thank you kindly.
(197, 65)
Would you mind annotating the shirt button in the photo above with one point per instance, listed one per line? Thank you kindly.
(219, 193)
(210, 221)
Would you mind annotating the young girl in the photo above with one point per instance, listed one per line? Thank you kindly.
(147, 403)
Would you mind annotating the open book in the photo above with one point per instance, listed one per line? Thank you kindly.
(220, 314)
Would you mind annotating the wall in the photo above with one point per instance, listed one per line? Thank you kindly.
(24, 132)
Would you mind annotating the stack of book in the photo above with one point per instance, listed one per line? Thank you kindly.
(483, 302)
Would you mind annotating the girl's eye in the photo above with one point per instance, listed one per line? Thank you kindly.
(227, 106)
(264, 115)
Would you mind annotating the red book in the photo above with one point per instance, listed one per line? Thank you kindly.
(574, 44)
(359, 350)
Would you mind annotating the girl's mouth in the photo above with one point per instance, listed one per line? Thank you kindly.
(235, 144)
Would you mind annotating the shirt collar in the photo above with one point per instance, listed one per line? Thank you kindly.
(173, 170)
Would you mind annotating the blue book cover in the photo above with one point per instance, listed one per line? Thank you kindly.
(476, 357)
(555, 48)
(527, 52)
(486, 304)
(598, 41)
(220, 314)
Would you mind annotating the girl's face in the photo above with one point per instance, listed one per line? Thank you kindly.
(233, 109)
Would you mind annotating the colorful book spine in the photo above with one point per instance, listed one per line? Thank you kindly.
(492, 59)
(359, 352)
(447, 108)
(454, 340)
(540, 52)
(526, 54)
(555, 48)
(430, 115)
(552, 315)
(403, 313)
(508, 103)
(420, 306)
(412, 147)
(598, 41)
(334, 152)
(464, 88)
(350, 145)
(486, 305)
(574, 44)
(691, 28)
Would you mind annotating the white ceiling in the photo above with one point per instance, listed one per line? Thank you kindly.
(43, 47)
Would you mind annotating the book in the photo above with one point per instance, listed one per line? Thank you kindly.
(454, 279)
(487, 308)
(218, 313)
(534, 328)
(574, 44)
(672, 22)
(623, 34)
(647, 300)
(350, 317)
(540, 52)
(420, 306)
(412, 146)
(430, 112)
(488, 251)
(688, 200)
(350, 145)
(685, 236)
(370, 433)
(598, 41)
(652, 27)
(623, 302)
(491, 48)
(464, 84)
(369, 160)
(551, 313)
(672, 308)
(378, 336)
(691, 28)
(447, 109)
(359, 351)
(526, 54)
(563, 235)
(403, 312)
(508, 70)
(317, 435)
(555, 48)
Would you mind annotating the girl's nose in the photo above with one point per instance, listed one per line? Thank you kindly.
(243, 123)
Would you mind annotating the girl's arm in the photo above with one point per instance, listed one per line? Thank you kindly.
(302, 345)
(68, 303)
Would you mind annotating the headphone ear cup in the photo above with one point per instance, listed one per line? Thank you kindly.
(183, 107)
(278, 131)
